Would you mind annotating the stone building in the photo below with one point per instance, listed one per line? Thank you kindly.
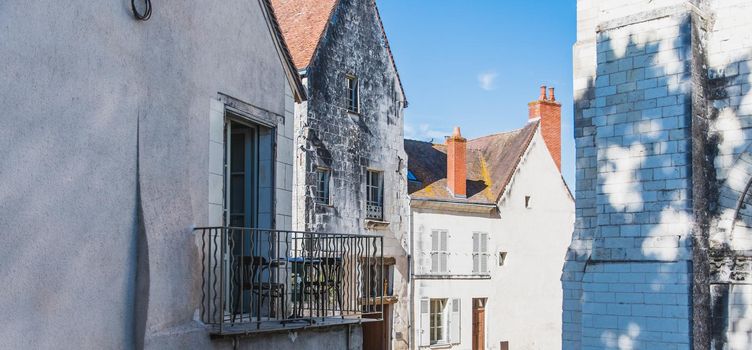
(660, 253)
(350, 170)
(121, 139)
(488, 214)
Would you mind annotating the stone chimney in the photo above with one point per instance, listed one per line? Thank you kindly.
(456, 164)
(549, 112)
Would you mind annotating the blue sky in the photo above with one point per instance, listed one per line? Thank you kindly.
(477, 64)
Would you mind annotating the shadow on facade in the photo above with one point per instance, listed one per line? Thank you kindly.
(646, 126)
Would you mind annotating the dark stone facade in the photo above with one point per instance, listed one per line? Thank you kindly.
(350, 144)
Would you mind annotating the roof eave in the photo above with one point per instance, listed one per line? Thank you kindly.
(291, 72)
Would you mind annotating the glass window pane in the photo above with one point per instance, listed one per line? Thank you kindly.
(237, 194)
(237, 153)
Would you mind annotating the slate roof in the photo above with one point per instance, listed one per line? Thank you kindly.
(491, 163)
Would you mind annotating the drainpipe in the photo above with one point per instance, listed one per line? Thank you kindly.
(411, 283)
(349, 336)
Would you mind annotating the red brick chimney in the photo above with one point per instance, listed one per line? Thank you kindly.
(456, 164)
(549, 112)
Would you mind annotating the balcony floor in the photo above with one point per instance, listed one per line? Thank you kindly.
(249, 328)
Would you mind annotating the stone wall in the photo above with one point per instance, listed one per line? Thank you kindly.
(661, 133)
(349, 144)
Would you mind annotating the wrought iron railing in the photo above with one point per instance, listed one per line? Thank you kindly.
(258, 279)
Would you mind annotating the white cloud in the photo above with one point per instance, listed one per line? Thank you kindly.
(486, 80)
(424, 132)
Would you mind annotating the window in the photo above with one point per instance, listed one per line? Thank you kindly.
(379, 282)
(375, 195)
(438, 321)
(323, 177)
(480, 252)
(528, 202)
(439, 252)
(353, 98)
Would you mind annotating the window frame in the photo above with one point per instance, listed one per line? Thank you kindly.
(326, 198)
(352, 94)
(379, 188)
(438, 324)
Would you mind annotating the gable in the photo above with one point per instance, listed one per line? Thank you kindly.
(307, 26)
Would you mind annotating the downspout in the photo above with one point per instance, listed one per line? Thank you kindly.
(411, 283)
(348, 337)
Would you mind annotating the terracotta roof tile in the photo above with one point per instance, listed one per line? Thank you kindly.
(303, 22)
(491, 162)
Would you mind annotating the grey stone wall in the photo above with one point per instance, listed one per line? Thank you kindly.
(657, 257)
(350, 144)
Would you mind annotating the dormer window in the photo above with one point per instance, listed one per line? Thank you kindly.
(353, 94)
(411, 177)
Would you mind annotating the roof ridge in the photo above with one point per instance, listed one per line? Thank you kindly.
(503, 132)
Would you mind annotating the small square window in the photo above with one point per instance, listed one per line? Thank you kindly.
(323, 177)
(528, 202)
(353, 94)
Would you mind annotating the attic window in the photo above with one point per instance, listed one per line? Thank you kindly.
(528, 202)
(412, 177)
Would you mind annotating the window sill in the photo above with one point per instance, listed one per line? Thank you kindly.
(374, 224)
(450, 276)
(440, 346)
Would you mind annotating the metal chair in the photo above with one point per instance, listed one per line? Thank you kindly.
(248, 276)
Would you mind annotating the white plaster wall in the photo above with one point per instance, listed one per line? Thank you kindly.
(524, 296)
(91, 96)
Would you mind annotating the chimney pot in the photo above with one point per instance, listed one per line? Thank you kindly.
(456, 133)
(542, 93)
(551, 94)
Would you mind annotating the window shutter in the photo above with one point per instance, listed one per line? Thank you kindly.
(454, 322)
(424, 333)
(434, 251)
(476, 246)
(443, 242)
(483, 252)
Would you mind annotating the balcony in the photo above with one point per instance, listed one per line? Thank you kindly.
(257, 280)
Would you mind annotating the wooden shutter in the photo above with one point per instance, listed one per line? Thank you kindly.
(454, 322)
(483, 252)
(476, 258)
(443, 255)
(424, 332)
(434, 251)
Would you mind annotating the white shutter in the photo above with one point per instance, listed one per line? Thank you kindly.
(434, 251)
(476, 247)
(424, 332)
(484, 252)
(443, 262)
(454, 322)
